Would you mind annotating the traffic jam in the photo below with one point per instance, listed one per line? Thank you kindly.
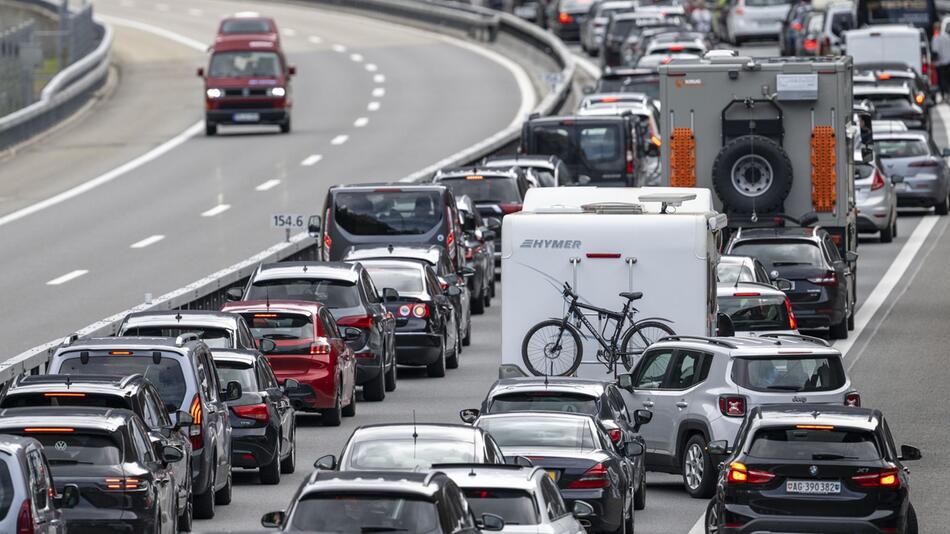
(644, 267)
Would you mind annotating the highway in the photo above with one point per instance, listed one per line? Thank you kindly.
(93, 254)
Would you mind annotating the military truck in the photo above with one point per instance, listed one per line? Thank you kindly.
(772, 137)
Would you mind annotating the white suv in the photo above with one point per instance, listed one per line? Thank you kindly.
(700, 389)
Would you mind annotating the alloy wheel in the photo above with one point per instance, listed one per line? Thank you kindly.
(694, 466)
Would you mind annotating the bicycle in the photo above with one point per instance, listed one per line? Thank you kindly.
(553, 347)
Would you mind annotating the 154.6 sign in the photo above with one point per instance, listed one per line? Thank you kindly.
(287, 220)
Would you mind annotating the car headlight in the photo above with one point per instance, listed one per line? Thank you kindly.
(277, 91)
(214, 93)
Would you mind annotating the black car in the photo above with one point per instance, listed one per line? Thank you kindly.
(219, 330)
(611, 51)
(629, 80)
(886, 73)
(580, 457)
(823, 289)
(133, 393)
(125, 484)
(793, 28)
(600, 399)
(898, 102)
(565, 17)
(353, 300)
(425, 319)
(480, 246)
(263, 423)
(382, 214)
(380, 502)
(804, 468)
(183, 372)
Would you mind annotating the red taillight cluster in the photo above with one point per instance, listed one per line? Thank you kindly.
(853, 399)
(828, 279)
(732, 406)
(194, 431)
(24, 519)
(419, 311)
(356, 321)
(615, 435)
(320, 347)
(739, 11)
(888, 478)
(509, 208)
(565, 18)
(878, 181)
(257, 412)
(792, 322)
(740, 474)
(629, 162)
(125, 484)
(811, 45)
(593, 478)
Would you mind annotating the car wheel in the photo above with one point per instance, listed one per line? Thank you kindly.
(839, 330)
(698, 472)
(894, 225)
(488, 295)
(289, 464)
(185, 518)
(640, 495)
(285, 126)
(270, 473)
(943, 207)
(887, 234)
(375, 389)
(478, 302)
(210, 128)
(332, 416)
(391, 376)
(712, 518)
(452, 362)
(911, 527)
(436, 369)
(204, 502)
(223, 495)
(350, 409)
(851, 320)
(467, 340)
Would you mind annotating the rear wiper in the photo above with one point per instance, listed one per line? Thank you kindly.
(67, 461)
(786, 388)
(383, 529)
(831, 456)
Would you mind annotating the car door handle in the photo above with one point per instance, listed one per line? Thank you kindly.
(648, 404)
(682, 404)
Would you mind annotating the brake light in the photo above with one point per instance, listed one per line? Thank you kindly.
(792, 322)
(656, 140)
(884, 76)
(828, 279)
(356, 321)
(565, 18)
(796, 26)
(676, 48)
(420, 311)
(47, 430)
(509, 208)
(327, 241)
(451, 239)
(320, 347)
(739, 11)
(887, 478)
(603, 255)
(593, 478)
(732, 406)
(811, 45)
(24, 519)
(740, 474)
(258, 412)
(629, 162)
(126, 484)
(927, 163)
(853, 399)
(878, 182)
(64, 394)
(120, 353)
(746, 294)
(265, 315)
(615, 435)
(404, 311)
(609, 100)
(194, 431)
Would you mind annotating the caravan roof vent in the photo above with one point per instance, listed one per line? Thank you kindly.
(613, 208)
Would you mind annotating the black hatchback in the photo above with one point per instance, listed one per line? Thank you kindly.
(799, 468)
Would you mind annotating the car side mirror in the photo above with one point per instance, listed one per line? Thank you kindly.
(183, 419)
(469, 415)
(266, 346)
(453, 291)
(851, 257)
(233, 391)
(493, 223)
(724, 325)
(625, 381)
(171, 454)
(719, 447)
(466, 272)
(633, 449)
(313, 225)
(519, 460)
(909, 453)
(782, 284)
(327, 462)
(69, 497)
(234, 293)
(290, 386)
(273, 519)
(582, 510)
(897, 179)
(945, 152)
(351, 334)
(642, 417)
(292, 70)
(491, 523)
(390, 294)
(200, 72)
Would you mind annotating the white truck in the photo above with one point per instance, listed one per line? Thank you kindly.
(660, 241)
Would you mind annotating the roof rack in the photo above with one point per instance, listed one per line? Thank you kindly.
(801, 337)
(69, 340)
(185, 338)
(710, 340)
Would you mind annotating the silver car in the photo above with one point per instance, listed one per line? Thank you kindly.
(876, 201)
(30, 502)
(751, 19)
(594, 28)
(917, 168)
(525, 497)
(756, 308)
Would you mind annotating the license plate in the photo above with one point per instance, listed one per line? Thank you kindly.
(900, 187)
(552, 475)
(247, 117)
(526, 12)
(813, 487)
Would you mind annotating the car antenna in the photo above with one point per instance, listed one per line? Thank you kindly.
(415, 435)
(178, 317)
(471, 472)
(267, 296)
(389, 247)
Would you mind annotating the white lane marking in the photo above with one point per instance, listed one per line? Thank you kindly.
(67, 277)
(338, 48)
(311, 160)
(372, 106)
(195, 12)
(217, 210)
(162, 7)
(356, 57)
(360, 122)
(315, 39)
(289, 32)
(269, 184)
(379, 78)
(379, 92)
(155, 30)
(150, 240)
(339, 140)
(371, 67)
(700, 526)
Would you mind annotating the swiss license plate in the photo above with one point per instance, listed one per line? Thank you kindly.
(901, 186)
(552, 475)
(247, 117)
(813, 487)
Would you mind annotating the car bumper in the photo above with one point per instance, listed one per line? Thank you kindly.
(608, 511)
(417, 348)
(873, 213)
(820, 313)
(245, 116)
(880, 521)
(253, 447)
(89, 520)
(920, 191)
(367, 367)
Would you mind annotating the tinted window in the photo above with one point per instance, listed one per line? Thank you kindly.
(901, 148)
(778, 253)
(811, 373)
(652, 370)
(539, 432)
(549, 401)
(26, 400)
(364, 513)
(244, 64)
(408, 454)
(388, 213)
(142, 443)
(245, 26)
(554, 503)
(402, 279)
(237, 372)
(166, 376)
(814, 444)
(620, 28)
(600, 143)
(593, 147)
(514, 506)
(216, 338)
(78, 448)
(291, 332)
(841, 22)
(685, 372)
(887, 101)
(485, 189)
(333, 293)
(750, 314)
(862, 170)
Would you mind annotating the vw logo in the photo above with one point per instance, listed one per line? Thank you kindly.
(813, 470)
(61, 445)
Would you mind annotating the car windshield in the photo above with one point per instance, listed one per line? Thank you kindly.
(784, 373)
(365, 513)
(216, 338)
(166, 375)
(534, 431)
(756, 313)
(484, 189)
(244, 64)
(901, 148)
(77, 447)
(388, 212)
(408, 454)
(548, 401)
(649, 86)
(239, 372)
(245, 26)
(516, 507)
(70, 398)
(331, 293)
(730, 273)
(779, 253)
(291, 332)
(828, 442)
(595, 147)
(402, 279)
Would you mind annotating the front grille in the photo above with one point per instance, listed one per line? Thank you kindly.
(245, 92)
(246, 105)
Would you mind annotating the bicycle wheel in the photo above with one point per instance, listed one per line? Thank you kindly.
(639, 337)
(552, 350)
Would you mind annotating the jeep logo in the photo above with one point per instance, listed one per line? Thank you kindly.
(802, 400)
(550, 243)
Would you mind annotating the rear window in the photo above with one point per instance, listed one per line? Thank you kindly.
(548, 401)
(799, 374)
(676, 49)
(237, 372)
(778, 253)
(888, 101)
(648, 85)
(78, 448)
(216, 338)
(245, 26)
(515, 506)
(485, 189)
(244, 64)
(331, 293)
(27, 400)
(621, 28)
(593, 147)
(166, 375)
(291, 332)
(766, 3)
(408, 454)
(752, 314)
(901, 148)
(362, 512)
(539, 432)
(795, 443)
(387, 213)
(6, 486)
(862, 170)
(402, 279)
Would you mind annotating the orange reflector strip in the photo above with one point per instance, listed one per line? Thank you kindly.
(814, 427)
(120, 352)
(64, 394)
(39, 429)
(824, 194)
(682, 158)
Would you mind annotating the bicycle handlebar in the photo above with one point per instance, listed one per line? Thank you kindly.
(568, 292)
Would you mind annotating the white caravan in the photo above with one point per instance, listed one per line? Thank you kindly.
(660, 241)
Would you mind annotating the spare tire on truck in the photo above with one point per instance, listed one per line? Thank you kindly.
(752, 173)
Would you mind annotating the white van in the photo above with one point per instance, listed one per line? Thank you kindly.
(890, 43)
(660, 241)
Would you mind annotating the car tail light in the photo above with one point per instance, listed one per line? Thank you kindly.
(732, 406)
(827, 279)
(746, 294)
(404, 311)
(676, 48)
(565, 18)
(811, 45)
(740, 474)
(420, 311)
(356, 321)
(194, 431)
(792, 322)
(926, 163)
(826, 42)
(656, 140)
(258, 412)
(327, 241)
(593, 478)
(887, 478)
(320, 347)
(853, 399)
(126, 484)
(878, 182)
(629, 162)
(615, 435)
(24, 519)
(796, 26)
(920, 98)
(509, 208)
(739, 11)
(469, 253)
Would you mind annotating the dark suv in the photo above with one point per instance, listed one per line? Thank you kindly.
(185, 376)
(823, 289)
(219, 330)
(384, 214)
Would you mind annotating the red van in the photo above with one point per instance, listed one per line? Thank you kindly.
(247, 82)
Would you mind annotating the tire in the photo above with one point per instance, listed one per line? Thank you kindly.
(851, 321)
(289, 464)
(210, 128)
(332, 416)
(545, 352)
(647, 333)
(223, 495)
(712, 518)
(204, 503)
(436, 369)
(478, 303)
(270, 473)
(467, 340)
(911, 527)
(375, 389)
(942, 207)
(350, 409)
(452, 362)
(640, 495)
(285, 126)
(752, 174)
(894, 231)
(185, 519)
(839, 330)
(391, 376)
(887, 234)
(489, 293)
(493, 286)
(699, 476)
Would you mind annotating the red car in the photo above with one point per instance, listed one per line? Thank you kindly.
(309, 348)
(248, 23)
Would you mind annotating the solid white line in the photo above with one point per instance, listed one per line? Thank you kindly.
(151, 240)
(195, 12)
(360, 122)
(372, 106)
(217, 210)
(379, 92)
(289, 32)
(339, 140)
(311, 160)
(314, 39)
(66, 277)
(379, 78)
(338, 48)
(356, 57)
(371, 67)
(269, 184)
(700, 526)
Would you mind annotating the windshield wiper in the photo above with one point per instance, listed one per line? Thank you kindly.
(832, 456)
(68, 461)
(786, 263)
(383, 529)
(786, 388)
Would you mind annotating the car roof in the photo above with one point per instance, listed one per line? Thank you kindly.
(825, 414)
(183, 318)
(910, 134)
(747, 289)
(425, 484)
(278, 306)
(108, 419)
(394, 262)
(105, 384)
(335, 270)
(628, 72)
(492, 476)
(579, 119)
(128, 342)
(427, 253)
(384, 187)
(232, 42)
(487, 172)
(758, 346)
(238, 356)
(586, 386)
(516, 160)
(14, 445)
(446, 431)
